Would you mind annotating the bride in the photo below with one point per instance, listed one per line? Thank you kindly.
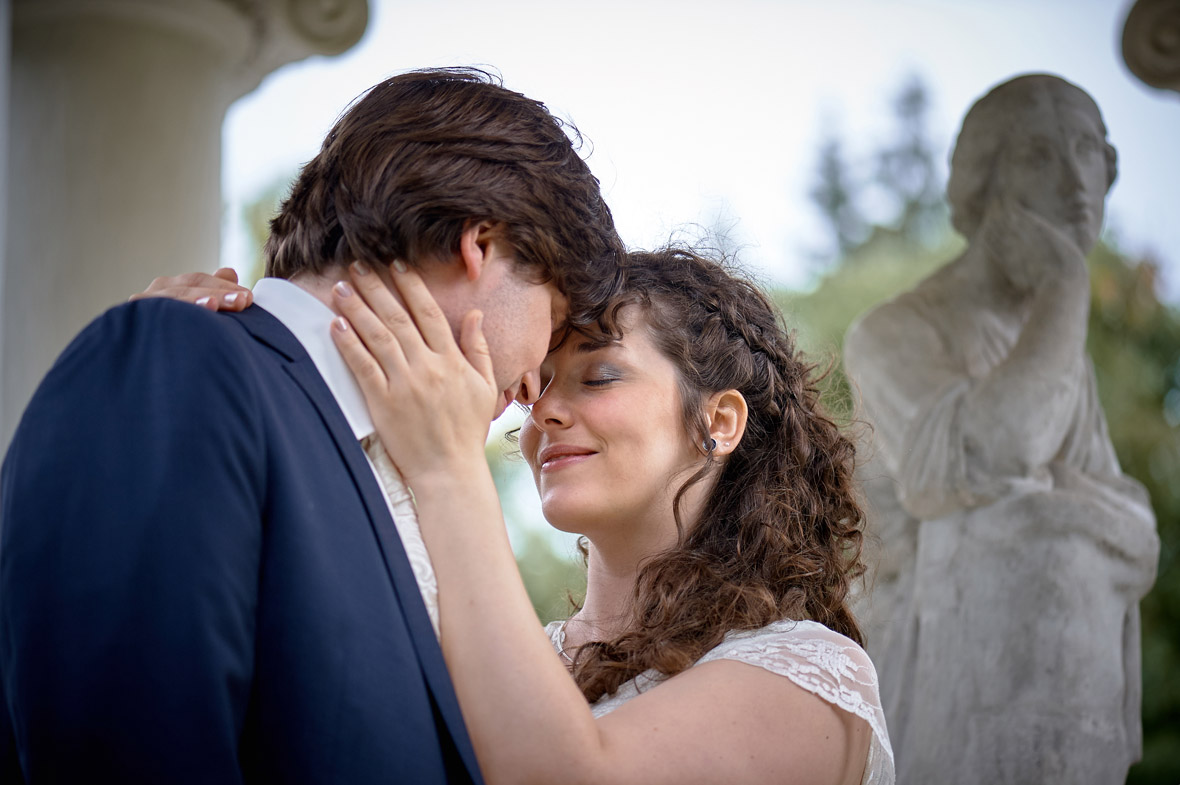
(685, 442)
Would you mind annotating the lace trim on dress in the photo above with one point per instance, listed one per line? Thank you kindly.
(821, 661)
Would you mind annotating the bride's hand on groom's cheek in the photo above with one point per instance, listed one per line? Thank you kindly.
(432, 400)
(217, 292)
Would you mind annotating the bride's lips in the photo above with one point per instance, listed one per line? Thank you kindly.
(558, 456)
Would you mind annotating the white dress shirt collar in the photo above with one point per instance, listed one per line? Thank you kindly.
(310, 321)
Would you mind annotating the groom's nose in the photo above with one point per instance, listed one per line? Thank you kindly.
(530, 388)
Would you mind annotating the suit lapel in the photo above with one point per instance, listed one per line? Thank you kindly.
(270, 331)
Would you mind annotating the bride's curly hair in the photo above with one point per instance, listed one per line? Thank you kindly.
(780, 534)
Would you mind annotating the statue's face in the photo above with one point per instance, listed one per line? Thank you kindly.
(1054, 164)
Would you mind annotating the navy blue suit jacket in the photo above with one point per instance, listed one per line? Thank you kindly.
(200, 581)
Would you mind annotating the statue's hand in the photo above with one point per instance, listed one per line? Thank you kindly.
(1029, 249)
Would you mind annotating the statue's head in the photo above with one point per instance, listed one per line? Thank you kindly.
(1040, 141)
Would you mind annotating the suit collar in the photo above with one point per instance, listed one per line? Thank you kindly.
(266, 329)
(309, 321)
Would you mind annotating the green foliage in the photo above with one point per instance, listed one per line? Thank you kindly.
(1135, 343)
(555, 582)
(554, 577)
(833, 194)
(257, 215)
(885, 266)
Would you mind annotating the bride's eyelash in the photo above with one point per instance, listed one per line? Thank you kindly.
(601, 382)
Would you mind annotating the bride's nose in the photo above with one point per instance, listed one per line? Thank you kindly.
(550, 411)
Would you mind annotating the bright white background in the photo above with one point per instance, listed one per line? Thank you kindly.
(696, 111)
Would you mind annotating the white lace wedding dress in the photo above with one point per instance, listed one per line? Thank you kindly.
(817, 659)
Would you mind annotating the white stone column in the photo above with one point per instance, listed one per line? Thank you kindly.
(114, 142)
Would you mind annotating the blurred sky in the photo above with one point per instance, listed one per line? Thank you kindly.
(703, 112)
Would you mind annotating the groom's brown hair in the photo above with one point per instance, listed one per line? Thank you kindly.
(423, 154)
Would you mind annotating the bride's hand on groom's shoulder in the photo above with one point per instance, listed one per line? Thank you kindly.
(217, 292)
(432, 400)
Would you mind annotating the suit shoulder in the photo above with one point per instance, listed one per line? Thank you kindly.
(163, 319)
(166, 345)
(165, 334)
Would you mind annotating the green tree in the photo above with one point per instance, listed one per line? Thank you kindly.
(257, 216)
(833, 194)
(907, 171)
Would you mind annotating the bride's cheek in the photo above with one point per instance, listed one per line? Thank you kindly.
(527, 440)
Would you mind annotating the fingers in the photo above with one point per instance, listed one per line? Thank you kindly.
(219, 291)
(377, 300)
(231, 301)
(418, 324)
(372, 378)
(432, 322)
(993, 232)
(475, 346)
(392, 337)
(400, 336)
(1060, 246)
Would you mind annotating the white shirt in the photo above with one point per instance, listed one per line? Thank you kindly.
(309, 320)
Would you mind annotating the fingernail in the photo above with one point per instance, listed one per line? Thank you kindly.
(340, 323)
(343, 289)
(360, 268)
(399, 265)
(231, 298)
(204, 302)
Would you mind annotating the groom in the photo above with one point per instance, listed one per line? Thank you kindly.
(203, 555)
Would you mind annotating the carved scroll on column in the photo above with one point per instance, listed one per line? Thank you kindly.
(284, 31)
(329, 26)
(1151, 42)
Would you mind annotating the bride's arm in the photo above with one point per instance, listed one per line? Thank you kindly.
(720, 722)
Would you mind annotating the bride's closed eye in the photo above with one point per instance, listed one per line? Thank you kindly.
(601, 376)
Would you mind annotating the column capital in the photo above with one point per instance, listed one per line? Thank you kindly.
(1151, 42)
(252, 37)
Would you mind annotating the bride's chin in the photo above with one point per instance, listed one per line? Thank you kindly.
(564, 524)
(564, 519)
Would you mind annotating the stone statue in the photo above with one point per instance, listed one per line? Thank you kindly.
(1014, 551)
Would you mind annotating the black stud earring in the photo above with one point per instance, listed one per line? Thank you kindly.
(710, 445)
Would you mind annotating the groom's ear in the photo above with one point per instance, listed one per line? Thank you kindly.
(476, 246)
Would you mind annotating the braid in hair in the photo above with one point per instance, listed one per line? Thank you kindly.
(780, 533)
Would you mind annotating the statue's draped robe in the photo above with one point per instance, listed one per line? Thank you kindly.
(1005, 620)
